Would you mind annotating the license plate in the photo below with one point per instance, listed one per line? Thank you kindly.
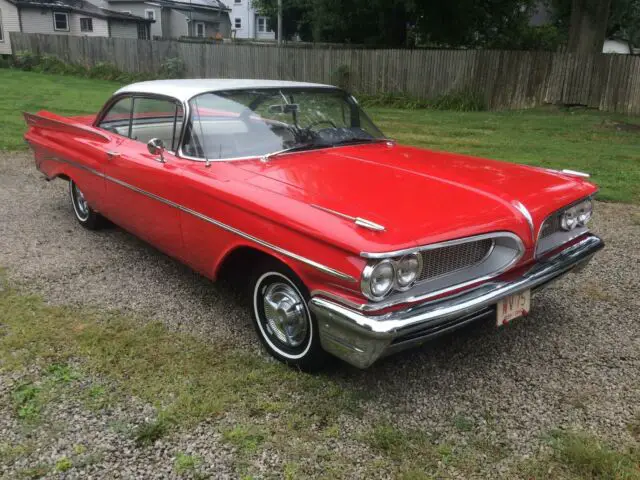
(513, 306)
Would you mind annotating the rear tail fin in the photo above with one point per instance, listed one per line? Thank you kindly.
(50, 121)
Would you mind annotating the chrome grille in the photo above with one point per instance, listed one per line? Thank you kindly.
(445, 260)
(551, 225)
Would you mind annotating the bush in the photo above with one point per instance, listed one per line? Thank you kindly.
(5, 61)
(172, 67)
(26, 60)
(462, 100)
(104, 71)
(50, 64)
(341, 77)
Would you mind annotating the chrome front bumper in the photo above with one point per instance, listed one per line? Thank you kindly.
(361, 339)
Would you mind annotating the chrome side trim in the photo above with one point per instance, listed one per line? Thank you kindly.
(575, 173)
(224, 226)
(362, 222)
(525, 213)
(431, 246)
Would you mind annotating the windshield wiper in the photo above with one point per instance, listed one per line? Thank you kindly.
(349, 141)
(296, 148)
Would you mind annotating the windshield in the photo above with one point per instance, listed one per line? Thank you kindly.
(245, 123)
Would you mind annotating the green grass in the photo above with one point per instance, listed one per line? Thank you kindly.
(580, 140)
(30, 92)
(557, 138)
(260, 408)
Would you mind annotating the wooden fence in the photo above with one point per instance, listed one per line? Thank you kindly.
(506, 79)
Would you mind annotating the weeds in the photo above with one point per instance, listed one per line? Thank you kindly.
(172, 67)
(587, 457)
(461, 101)
(185, 463)
(25, 400)
(63, 464)
(147, 433)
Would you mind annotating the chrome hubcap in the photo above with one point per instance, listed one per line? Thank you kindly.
(285, 314)
(81, 203)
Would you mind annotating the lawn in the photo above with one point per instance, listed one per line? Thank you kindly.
(605, 145)
(260, 408)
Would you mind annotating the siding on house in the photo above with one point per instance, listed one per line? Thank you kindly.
(178, 26)
(214, 22)
(123, 29)
(10, 23)
(135, 8)
(41, 21)
(248, 21)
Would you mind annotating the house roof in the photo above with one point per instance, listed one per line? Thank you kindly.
(182, 4)
(79, 6)
(184, 90)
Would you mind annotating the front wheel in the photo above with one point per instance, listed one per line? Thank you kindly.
(282, 318)
(86, 216)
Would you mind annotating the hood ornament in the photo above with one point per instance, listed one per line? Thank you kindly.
(361, 222)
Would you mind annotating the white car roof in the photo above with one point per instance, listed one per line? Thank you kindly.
(184, 90)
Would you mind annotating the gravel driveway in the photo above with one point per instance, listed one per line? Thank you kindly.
(574, 362)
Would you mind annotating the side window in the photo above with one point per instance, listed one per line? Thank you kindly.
(118, 118)
(156, 118)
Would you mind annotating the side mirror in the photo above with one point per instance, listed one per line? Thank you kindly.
(156, 147)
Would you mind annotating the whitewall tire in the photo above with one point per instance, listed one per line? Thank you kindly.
(282, 319)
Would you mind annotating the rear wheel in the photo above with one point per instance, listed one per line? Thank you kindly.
(282, 318)
(86, 216)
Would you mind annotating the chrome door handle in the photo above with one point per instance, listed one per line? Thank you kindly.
(112, 154)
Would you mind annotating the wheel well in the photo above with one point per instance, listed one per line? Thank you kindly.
(239, 262)
(63, 176)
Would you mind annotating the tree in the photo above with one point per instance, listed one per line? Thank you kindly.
(588, 25)
(623, 20)
(370, 22)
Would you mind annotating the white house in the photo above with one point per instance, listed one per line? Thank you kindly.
(66, 17)
(247, 23)
(177, 18)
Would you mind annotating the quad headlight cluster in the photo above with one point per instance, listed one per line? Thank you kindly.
(390, 274)
(576, 216)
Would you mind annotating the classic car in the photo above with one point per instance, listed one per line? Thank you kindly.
(351, 244)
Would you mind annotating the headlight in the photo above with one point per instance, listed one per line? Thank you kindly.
(407, 270)
(378, 280)
(584, 211)
(569, 219)
(576, 216)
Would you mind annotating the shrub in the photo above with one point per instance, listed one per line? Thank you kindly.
(5, 61)
(104, 71)
(26, 60)
(341, 77)
(173, 67)
(461, 100)
(50, 64)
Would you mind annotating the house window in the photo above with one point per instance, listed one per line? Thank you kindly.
(150, 14)
(238, 23)
(143, 33)
(200, 29)
(86, 24)
(60, 21)
(262, 24)
(237, 1)
(1, 30)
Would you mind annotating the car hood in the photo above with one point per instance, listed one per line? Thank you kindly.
(420, 196)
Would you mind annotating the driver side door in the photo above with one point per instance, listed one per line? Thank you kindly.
(141, 190)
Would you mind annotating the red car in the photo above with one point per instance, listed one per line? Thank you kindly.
(352, 244)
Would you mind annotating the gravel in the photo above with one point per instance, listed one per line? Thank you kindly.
(574, 362)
